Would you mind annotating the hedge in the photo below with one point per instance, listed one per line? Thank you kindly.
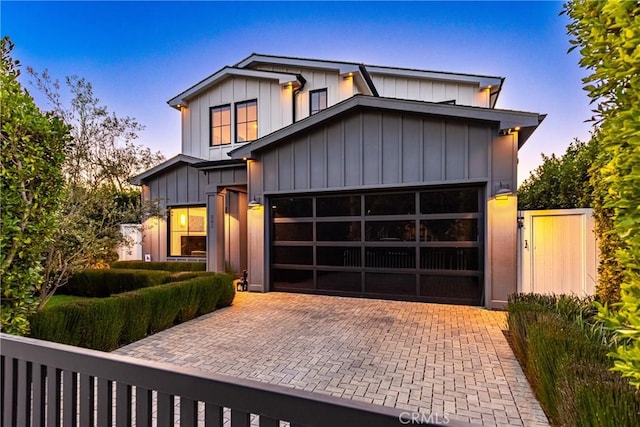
(563, 350)
(101, 283)
(108, 323)
(158, 265)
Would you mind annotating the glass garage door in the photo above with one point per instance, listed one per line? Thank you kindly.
(420, 245)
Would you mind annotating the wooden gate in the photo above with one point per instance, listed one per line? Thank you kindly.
(557, 252)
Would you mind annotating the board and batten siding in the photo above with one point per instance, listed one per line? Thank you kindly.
(378, 149)
(430, 91)
(338, 87)
(182, 185)
(274, 112)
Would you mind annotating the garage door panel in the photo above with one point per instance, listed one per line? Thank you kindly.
(423, 245)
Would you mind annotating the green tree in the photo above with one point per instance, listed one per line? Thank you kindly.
(33, 153)
(97, 196)
(560, 182)
(608, 36)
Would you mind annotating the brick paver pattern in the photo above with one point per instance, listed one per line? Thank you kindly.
(432, 358)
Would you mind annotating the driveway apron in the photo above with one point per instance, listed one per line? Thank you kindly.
(432, 358)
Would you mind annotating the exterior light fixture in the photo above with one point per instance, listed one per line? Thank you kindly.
(503, 192)
(255, 202)
(517, 128)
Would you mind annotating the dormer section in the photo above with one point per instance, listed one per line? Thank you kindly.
(434, 86)
(326, 82)
(233, 107)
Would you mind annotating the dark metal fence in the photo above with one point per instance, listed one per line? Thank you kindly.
(51, 384)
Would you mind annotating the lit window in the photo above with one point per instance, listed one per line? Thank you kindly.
(188, 231)
(246, 121)
(318, 100)
(220, 125)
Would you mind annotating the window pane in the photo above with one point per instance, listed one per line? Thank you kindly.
(302, 255)
(449, 230)
(338, 231)
(294, 207)
(217, 136)
(390, 231)
(322, 102)
(225, 134)
(390, 284)
(252, 131)
(449, 259)
(449, 201)
(292, 279)
(242, 114)
(187, 228)
(252, 110)
(339, 256)
(390, 204)
(338, 206)
(455, 287)
(216, 117)
(390, 257)
(242, 132)
(302, 231)
(226, 116)
(314, 103)
(339, 281)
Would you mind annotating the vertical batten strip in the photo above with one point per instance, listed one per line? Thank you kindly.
(165, 410)
(87, 400)
(268, 422)
(144, 404)
(9, 391)
(53, 396)
(105, 402)
(188, 412)
(38, 375)
(23, 409)
(213, 415)
(123, 405)
(69, 398)
(240, 418)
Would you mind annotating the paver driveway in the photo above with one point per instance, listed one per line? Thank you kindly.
(432, 358)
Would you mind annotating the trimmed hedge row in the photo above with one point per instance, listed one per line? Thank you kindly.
(158, 265)
(563, 350)
(108, 323)
(102, 283)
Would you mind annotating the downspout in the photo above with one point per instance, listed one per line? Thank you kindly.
(302, 81)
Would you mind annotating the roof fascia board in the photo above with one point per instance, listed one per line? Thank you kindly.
(282, 78)
(506, 119)
(482, 81)
(342, 67)
(180, 158)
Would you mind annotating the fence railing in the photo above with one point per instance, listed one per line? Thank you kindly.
(51, 384)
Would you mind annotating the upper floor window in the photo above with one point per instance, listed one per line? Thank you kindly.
(220, 125)
(246, 121)
(317, 100)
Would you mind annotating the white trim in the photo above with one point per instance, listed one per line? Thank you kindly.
(282, 78)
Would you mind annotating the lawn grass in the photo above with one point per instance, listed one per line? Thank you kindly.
(57, 300)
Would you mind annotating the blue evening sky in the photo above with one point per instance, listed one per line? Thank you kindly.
(138, 55)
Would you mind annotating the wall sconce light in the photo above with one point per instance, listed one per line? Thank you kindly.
(255, 202)
(503, 192)
(183, 220)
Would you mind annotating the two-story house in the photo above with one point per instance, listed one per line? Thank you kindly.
(343, 178)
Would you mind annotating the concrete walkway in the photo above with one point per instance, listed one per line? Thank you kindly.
(432, 358)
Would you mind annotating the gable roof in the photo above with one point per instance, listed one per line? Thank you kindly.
(505, 119)
(361, 73)
(176, 160)
(282, 78)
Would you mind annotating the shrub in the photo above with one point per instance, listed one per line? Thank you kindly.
(157, 265)
(106, 323)
(103, 283)
(563, 349)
